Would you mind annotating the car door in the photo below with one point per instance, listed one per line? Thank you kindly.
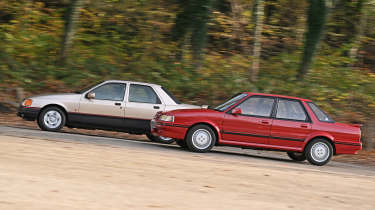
(253, 125)
(291, 125)
(142, 104)
(106, 109)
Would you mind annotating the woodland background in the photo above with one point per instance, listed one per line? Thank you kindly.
(203, 51)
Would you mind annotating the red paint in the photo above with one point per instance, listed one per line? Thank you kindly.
(262, 132)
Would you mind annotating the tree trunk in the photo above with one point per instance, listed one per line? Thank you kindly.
(369, 134)
(259, 16)
(202, 12)
(316, 20)
(360, 32)
(238, 30)
(70, 29)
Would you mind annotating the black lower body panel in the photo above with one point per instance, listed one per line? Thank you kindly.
(128, 125)
(28, 113)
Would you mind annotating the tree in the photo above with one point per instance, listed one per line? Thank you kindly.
(192, 20)
(238, 20)
(316, 20)
(363, 12)
(70, 29)
(257, 48)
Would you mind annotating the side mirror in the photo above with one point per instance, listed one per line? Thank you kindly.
(91, 95)
(236, 111)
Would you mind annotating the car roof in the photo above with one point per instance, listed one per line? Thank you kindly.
(280, 96)
(140, 83)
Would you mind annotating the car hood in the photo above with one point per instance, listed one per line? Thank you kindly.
(57, 96)
(188, 106)
(192, 111)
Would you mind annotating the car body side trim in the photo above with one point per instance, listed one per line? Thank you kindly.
(101, 115)
(261, 136)
(172, 125)
(347, 143)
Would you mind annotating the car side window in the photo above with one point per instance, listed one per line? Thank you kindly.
(257, 106)
(290, 110)
(110, 91)
(143, 94)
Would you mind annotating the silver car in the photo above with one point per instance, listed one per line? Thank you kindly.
(111, 105)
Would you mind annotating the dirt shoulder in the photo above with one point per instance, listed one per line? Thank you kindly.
(44, 174)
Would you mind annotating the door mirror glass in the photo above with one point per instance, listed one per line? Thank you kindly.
(90, 95)
(237, 111)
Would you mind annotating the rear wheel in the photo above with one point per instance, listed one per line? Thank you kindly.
(201, 138)
(51, 119)
(297, 156)
(319, 152)
(160, 139)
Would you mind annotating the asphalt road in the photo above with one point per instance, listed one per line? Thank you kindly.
(273, 160)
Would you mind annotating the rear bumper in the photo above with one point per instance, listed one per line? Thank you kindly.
(168, 130)
(28, 113)
(347, 147)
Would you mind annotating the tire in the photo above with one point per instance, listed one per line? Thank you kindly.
(181, 143)
(200, 138)
(51, 119)
(160, 139)
(319, 152)
(296, 156)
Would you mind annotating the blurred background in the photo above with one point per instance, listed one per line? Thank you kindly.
(203, 51)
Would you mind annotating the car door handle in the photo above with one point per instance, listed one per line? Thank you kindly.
(304, 126)
(265, 122)
(118, 104)
(156, 107)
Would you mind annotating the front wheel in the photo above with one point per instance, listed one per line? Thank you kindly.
(51, 119)
(160, 139)
(297, 156)
(200, 138)
(319, 152)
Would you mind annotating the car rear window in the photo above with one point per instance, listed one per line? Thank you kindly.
(320, 114)
(171, 96)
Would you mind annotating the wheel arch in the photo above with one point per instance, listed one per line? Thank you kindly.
(209, 124)
(54, 105)
(328, 138)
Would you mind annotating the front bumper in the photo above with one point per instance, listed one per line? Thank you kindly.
(28, 113)
(170, 130)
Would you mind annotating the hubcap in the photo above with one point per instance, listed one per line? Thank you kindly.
(201, 139)
(320, 152)
(52, 119)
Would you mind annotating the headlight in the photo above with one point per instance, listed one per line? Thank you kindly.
(27, 102)
(166, 118)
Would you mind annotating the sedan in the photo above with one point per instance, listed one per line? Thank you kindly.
(262, 121)
(111, 105)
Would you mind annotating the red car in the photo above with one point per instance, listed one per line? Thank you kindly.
(261, 121)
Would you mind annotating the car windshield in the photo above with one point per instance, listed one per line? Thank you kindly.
(171, 96)
(320, 114)
(87, 88)
(230, 102)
